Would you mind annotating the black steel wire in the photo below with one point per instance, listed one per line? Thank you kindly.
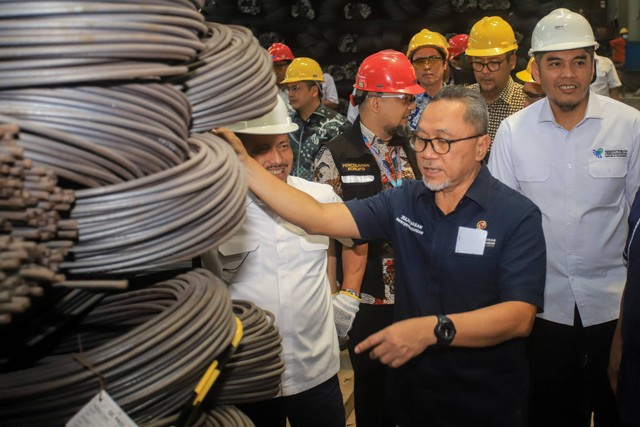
(164, 218)
(232, 79)
(254, 371)
(100, 40)
(150, 370)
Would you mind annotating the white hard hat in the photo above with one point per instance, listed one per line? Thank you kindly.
(562, 29)
(275, 122)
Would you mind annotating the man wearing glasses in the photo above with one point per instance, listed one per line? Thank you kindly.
(470, 266)
(492, 48)
(317, 124)
(371, 156)
(428, 52)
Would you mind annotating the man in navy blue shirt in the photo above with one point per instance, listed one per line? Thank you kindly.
(624, 363)
(470, 271)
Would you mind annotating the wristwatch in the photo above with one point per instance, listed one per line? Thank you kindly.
(444, 331)
(351, 292)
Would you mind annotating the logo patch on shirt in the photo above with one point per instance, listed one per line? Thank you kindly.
(355, 167)
(611, 154)
(411, 225)
(490, 243)
(481, 225)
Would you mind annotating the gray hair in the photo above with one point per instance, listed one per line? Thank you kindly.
(476, 112)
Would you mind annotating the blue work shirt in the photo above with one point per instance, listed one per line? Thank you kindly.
(432, 277)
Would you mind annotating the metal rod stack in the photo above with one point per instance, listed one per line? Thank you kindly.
(232, 81)
(178, 327)
(33, 238)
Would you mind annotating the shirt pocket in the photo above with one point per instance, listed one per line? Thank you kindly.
(532, 180)
(607, 181)
(310, 243)
(240, 260)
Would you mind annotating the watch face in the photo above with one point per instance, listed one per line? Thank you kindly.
(445, 330)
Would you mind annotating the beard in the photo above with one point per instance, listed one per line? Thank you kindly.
(565, 106)
(401, 131)
(436, 187)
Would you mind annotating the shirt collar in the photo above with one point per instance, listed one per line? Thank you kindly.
(320, 113)
(509, 92)
(478, 192)
(594, 109)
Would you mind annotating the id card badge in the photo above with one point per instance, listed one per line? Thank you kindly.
(471, 241)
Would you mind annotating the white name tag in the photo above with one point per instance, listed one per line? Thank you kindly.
(101, 411)
(356, 179)
(471, 241)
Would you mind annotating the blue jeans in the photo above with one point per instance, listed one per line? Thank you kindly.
(320, 406)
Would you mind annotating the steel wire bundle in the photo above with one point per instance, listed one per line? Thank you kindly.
(146, 124)
(220, 416)
(254, 371)
(61, 42)
(150, 371)
(232, 79)
(164, 218)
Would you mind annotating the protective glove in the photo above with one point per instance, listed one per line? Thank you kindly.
(345, 307)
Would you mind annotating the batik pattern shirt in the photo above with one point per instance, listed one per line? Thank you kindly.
(321, 127)
(510, 101)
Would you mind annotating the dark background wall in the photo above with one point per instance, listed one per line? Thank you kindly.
(339, 34)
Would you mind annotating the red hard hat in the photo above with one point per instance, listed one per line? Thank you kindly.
(387, 71)
(280, 52)
(458, 44)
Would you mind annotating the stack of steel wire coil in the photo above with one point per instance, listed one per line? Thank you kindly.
(177, 328)
(254, 371)
(163, 218)
(52, 43)
(233, 80)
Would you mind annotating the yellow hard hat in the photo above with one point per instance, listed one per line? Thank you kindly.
(428, 38)
(302, 69)
(623, 30)
(526, 75)
(491, 36)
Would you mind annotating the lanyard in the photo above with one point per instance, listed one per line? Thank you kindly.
(383, 165)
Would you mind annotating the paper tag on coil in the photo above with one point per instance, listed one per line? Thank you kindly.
(101, 411)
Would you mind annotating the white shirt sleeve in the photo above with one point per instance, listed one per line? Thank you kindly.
(329, 90)
(500, 163)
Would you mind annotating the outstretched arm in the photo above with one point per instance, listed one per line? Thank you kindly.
(488, 326)
(297, 207)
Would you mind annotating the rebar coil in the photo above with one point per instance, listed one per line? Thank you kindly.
(254, 372)
(164, 218)
(150, 371)
(62, 42)
(220, 416)
(232, 79)
(146, 124)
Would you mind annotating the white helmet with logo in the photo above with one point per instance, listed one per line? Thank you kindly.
(275, 122)
(562, 29)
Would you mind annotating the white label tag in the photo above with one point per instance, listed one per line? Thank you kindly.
(101, 411)
(471, 241)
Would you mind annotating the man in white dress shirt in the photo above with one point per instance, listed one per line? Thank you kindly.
(576, 155)
(283, 270)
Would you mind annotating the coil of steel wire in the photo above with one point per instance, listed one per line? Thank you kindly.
(220, 416)
(145, 124)
(61, 42)
(232, 79)
(254, 371)
(164, 218)
(151, 370)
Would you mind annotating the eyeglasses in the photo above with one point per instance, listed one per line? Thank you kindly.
(491, 65)
(406, 99)
(431, 61)
(533, 95)
(439, 145)
(295, 88)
